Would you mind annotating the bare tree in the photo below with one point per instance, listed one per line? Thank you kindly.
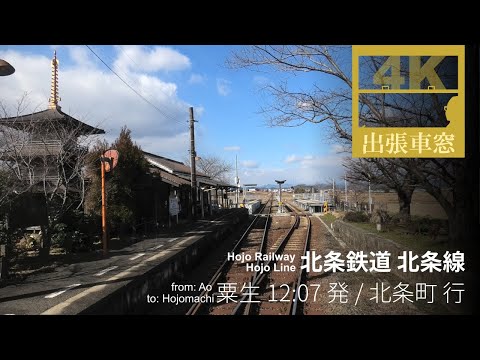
(213, 166)
(318, 104)
(294, 108)
(291, 107)
(8, 136)
(43, 157)
(384, 172)
(357, 195)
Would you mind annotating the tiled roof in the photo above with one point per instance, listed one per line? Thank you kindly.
(170, 178)
(169, 165)
(20, 122)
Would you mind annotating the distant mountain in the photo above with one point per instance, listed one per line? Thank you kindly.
(288, 185)
(274, 186)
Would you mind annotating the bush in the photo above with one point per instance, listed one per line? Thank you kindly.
(381, 217)
(73, 237)
(81, 242)
(59, 236)
(399, 219)
(426, 225)
(422, 225)
(356, 216)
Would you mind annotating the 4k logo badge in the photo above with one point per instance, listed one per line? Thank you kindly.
(408, 101)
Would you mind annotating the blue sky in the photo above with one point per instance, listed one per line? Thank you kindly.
(226, 104)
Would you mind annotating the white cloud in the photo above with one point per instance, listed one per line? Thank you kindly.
(320, 161)
(232, 148)
(304, 105)
(307, 169)
(262, 176)
(292, 158)
(223, 87)
(175, 147)
(262, 81)
(197, 79)
(337, 148)
(91, 93)
(251, 164)
(135, 58)
(199, 111)
(80, 55)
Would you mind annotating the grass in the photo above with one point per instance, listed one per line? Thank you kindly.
(419, 242)
(328, 218)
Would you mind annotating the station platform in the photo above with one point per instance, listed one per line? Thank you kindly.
(314, 206)
(116, 283)
(251, 205)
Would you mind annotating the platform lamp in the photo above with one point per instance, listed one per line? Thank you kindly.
(5, 68)
(280, 205)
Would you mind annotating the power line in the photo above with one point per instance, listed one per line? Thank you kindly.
(119, 71)
(130, 87)
(137, 65)
(120, 47)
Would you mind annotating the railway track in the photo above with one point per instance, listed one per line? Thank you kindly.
(277, 297)
(282, 240)
(308, 284)
(252, 240)
(278, 285)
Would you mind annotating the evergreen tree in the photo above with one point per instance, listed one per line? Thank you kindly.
(121, 182)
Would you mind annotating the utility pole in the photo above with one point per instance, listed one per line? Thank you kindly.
(333, 200)
(193, 154)
(237, 181)
(369, 199)
(346, 196)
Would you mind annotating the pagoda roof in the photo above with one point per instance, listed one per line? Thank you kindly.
(55, 114)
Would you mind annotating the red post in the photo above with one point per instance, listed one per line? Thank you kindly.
(104, 211)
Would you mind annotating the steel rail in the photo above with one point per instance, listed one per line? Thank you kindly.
(241, 304)
(214, 280)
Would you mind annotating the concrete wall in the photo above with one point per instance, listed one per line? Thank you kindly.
(132, 295)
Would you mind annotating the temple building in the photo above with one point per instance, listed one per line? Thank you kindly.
(43, 150)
